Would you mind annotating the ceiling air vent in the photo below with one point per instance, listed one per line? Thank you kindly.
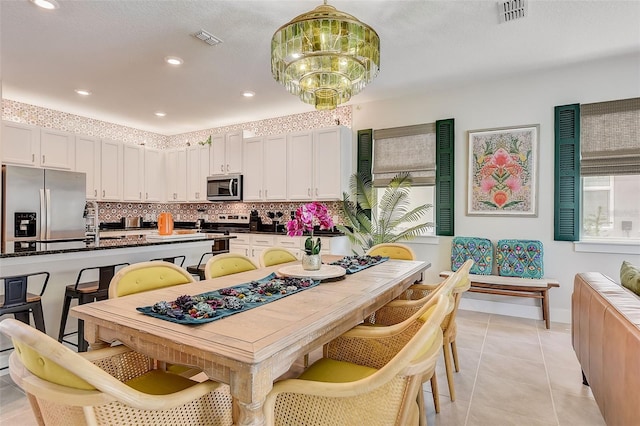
(512, 10)
(208, 38)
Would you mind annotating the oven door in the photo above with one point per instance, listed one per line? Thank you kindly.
(224, 188)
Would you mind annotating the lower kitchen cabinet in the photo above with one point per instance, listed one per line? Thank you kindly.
(252, 245)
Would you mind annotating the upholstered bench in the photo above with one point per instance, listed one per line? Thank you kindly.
(518, 262)
(537, 288)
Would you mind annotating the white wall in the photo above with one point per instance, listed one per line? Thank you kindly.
(520, 100)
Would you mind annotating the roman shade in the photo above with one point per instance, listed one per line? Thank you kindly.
(610, 138)
(405, 149)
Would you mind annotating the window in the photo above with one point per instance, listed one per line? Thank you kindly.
(611, 207)
(419, 195)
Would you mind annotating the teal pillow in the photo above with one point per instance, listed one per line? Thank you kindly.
(630, 277)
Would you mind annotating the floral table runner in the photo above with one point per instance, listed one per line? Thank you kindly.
(215, 305)
(355, 264)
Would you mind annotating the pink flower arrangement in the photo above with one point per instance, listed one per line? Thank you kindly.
(306, 217)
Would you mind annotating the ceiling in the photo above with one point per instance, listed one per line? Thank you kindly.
(116, 49)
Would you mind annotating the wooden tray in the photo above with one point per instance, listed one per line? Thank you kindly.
(325, 272)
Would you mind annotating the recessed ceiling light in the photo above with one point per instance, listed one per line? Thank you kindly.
(46, 4)
(173, 60)
(248, 94)
(160, 113)
(82, 92)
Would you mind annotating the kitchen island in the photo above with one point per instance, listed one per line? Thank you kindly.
(64, 260)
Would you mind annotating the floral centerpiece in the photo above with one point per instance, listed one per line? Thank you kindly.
(306, 218)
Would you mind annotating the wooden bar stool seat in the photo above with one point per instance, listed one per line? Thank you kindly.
(85, 292)
(199, 268)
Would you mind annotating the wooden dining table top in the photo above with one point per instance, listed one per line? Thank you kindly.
(249, 350)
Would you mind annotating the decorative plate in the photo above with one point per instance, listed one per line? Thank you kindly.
(325, 272)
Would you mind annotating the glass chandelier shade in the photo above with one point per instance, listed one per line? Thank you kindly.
(325, 56)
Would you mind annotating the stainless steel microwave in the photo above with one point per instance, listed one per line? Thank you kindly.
(224, 188)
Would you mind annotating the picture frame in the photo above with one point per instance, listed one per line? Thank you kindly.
(503, 171)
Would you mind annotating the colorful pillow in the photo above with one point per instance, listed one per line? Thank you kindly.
(630, 277)
(519, 258)
(478, 249)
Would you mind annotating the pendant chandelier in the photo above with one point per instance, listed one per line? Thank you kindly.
(325, 56)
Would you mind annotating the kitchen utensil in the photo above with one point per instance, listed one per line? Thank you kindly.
(165, 223)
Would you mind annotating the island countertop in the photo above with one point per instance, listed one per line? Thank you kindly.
(35, 249)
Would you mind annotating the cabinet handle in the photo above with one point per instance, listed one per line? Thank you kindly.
(316, 192)
(266, 193)
(227, 167)
(309, 192)
(222, 167)
(253, 252)
(103, 192)
(95, 192)
(33, 158)
(43, 159)
(246, 252)
(146, 195)
(259, 193)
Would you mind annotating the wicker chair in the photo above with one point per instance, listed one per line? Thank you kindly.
(369, 375)
(227, 264)
(146, 276)
(112, 386)
(275, 256)
(397, 310)
(392, 250)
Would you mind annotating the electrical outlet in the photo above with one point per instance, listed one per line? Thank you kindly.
(177, 217)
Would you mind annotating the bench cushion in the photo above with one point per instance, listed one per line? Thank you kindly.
(478, 249)
(520, 258)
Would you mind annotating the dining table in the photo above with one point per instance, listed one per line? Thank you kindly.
(250, 349)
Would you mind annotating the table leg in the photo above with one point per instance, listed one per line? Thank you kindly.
(90, 335)
(251, 413)
(249, 389)
(545, 308)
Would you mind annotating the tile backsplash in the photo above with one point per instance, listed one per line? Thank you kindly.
(188, 212)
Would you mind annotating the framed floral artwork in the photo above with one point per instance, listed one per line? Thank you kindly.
(503, 167)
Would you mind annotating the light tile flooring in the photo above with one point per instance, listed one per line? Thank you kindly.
(513, 371)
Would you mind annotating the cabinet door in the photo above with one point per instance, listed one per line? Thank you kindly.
(88, 162)
(154, 175)
(203, 170)
(299, 166)
(197, 172)
(253, 163)
(181, 175)
(327, 170)
(275, 168)
(133, 165)
(233, 152)
(217, 163)
(111, 170)
(57, 149)
(20, 144)
(171, 170)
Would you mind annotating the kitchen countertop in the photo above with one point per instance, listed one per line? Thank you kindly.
(103, 244)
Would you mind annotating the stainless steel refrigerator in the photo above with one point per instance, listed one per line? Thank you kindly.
(41, 205)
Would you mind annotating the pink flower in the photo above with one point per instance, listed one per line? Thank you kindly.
(487, 184)
(513, 183)
(307, 216)
(501, 158)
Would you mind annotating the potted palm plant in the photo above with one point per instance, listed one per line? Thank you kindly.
(369, 222)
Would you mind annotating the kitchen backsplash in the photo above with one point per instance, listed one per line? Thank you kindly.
(188, 212)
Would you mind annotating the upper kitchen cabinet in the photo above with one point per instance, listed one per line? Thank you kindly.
(176, 173)
(318, 164)
(226, 153)
(197, 171)
(133, 169)
(111, 170)
(88, 162)
(57, 149)
(153, 175)
(32, 146)
(265, 168)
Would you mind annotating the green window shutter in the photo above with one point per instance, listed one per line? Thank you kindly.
(365, 151)
(566, 226)
(444, 177)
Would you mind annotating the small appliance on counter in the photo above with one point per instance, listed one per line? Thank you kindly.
(131, 222)
(254, 221)
(165, 223)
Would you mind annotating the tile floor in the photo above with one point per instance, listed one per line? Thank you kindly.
(513, 371)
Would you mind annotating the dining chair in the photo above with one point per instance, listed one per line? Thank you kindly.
(145, 276)
(275, 256)
(393, 251)
(85, 292)
(17, 300)
(227, 264)
(111, 386)
(398, 310)
(368, 375)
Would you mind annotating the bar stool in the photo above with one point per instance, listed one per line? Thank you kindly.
(172, 259)
(18, 301)
(85, 292)
(199, 268)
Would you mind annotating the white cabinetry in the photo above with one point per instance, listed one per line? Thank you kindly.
(260, 242)
(294, 244)
(111, 170)
(253, 165)
(226, 153)
(154, 174)
(88, 162)
(176, 175)
(57, 149)
(265, 168)
(197, 172)
(133, 178)
(20, 144)
(318, 164)
(241, 244)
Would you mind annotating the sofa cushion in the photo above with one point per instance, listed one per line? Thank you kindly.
(520, 258)
(478, 249)
(630, 277)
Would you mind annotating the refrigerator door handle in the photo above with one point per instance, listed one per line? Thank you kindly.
(42, 214)
(48, 223)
